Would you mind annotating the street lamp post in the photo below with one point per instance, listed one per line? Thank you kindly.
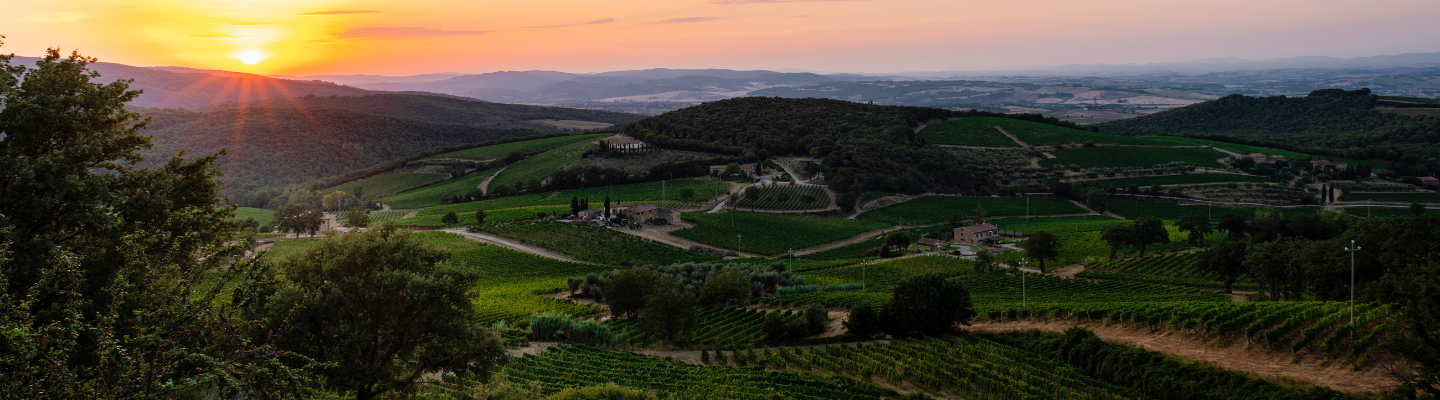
(1023, 295)
(737, 244)
(1352, 249)
(792, 260)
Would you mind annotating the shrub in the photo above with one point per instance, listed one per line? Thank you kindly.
(863, 321)
(816, 318)
(930, 304)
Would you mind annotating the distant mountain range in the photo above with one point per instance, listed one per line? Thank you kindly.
(180, 87)
(1202, 66)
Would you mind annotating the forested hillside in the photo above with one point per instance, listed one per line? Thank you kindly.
(1331, 122)
(865, 147)
(448, 110)
(281, 146)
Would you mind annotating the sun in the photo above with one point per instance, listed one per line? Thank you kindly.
(251, 57)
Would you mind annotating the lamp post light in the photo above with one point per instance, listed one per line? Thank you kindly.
(792, 260)
(1352, 249)
(737, 244)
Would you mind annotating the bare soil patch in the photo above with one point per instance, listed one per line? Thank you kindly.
(1235, 357)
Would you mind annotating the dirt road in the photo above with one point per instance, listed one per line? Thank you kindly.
(507, 243)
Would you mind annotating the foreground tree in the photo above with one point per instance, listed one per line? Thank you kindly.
(1196, 225)
(101, 255)
(628, 290)
(1041, 246)
(930, 304)
(382, 306)
(1147, 231)
(1226, 258)
(298, 218)
(863, 322)
(1117, 236)
(1234, 226)
(725, 288)
(669, 313)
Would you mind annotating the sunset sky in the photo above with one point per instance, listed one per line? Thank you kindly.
(307, 37)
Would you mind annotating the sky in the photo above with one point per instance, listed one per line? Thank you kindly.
(315, 37)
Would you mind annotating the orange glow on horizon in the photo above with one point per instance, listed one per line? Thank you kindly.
(304, 37)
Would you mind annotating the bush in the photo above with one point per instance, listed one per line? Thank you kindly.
(816, 319)
(930, 304)
(863, 322)
(609, 391)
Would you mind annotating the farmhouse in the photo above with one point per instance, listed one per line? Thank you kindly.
(1321, 164)
(745, 169)
(1259, 158)
(650, 214)
(977, 234)
(1429, 182)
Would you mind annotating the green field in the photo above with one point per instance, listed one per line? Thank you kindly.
(1038, 134)
(973, 131)
(260, 215)
(769, 233)
(1080, 236)
(786, 197)
(1147, 181)
(492, 216)
(528, 146)
(432, 195)
(1411, 99)
(1417, 197)
(889, 272)
(1248, 149)
(648, 192)
(596, 244)
(540, 166)
(1134, 209)
(1114, 157)
(387, 183)
(932, 209)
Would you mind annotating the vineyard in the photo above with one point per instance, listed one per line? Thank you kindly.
(540, 166)
(1080, 236)
(714, 326)
(648, 192)
(387, 183)
(528, 146)
(932, 209)
(596, 244)
(1038, 134)
(785, 197)
(1172, 269)
(571, 366)
(434, 194)
(1147, 181)
(467, 217)
(1417, 197)
(1170, 210)
(973, 131)
(513, 279)
(888, 272)
(1115, 157)
(769, 233)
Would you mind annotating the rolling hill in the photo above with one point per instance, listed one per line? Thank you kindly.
(447, 110)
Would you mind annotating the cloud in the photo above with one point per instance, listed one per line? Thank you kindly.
(772, 1)
(63, 17)
(595, 22)
(251, 23)
(339, 12)
(687, 20)
(403, 33)
(215, 36)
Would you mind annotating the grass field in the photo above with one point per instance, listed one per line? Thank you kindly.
(973, 131)
(433, 194)
(1112, 157)
(786, 197)
(1419, 197)
(540, 166)
(1411, 99)
(387, 183)
(1146, 181)
(1172, 210)
(528, 146)
(1248, 149)
(931, 209)
(1080, 236)
(648, 192)
(260, 215)
(889, 272)
(597, 244)
(492, 216)
(1038, 134)
(769, 233)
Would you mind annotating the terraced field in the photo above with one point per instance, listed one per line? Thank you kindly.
(1147, 181)
(932, 209)
(541, 166)
(973, 131)
(433, 195)
(769, 233)
(528, 146)
(1115, 157)
(387, 183)
(785, 197)
(596, 244)
(1134, 209)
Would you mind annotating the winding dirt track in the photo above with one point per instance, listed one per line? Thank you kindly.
(1234, 357)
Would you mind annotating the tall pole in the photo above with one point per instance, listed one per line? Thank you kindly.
(1023, 295)
(1352, 249)
(737, 243)
(1027, 208)
(662, 193)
